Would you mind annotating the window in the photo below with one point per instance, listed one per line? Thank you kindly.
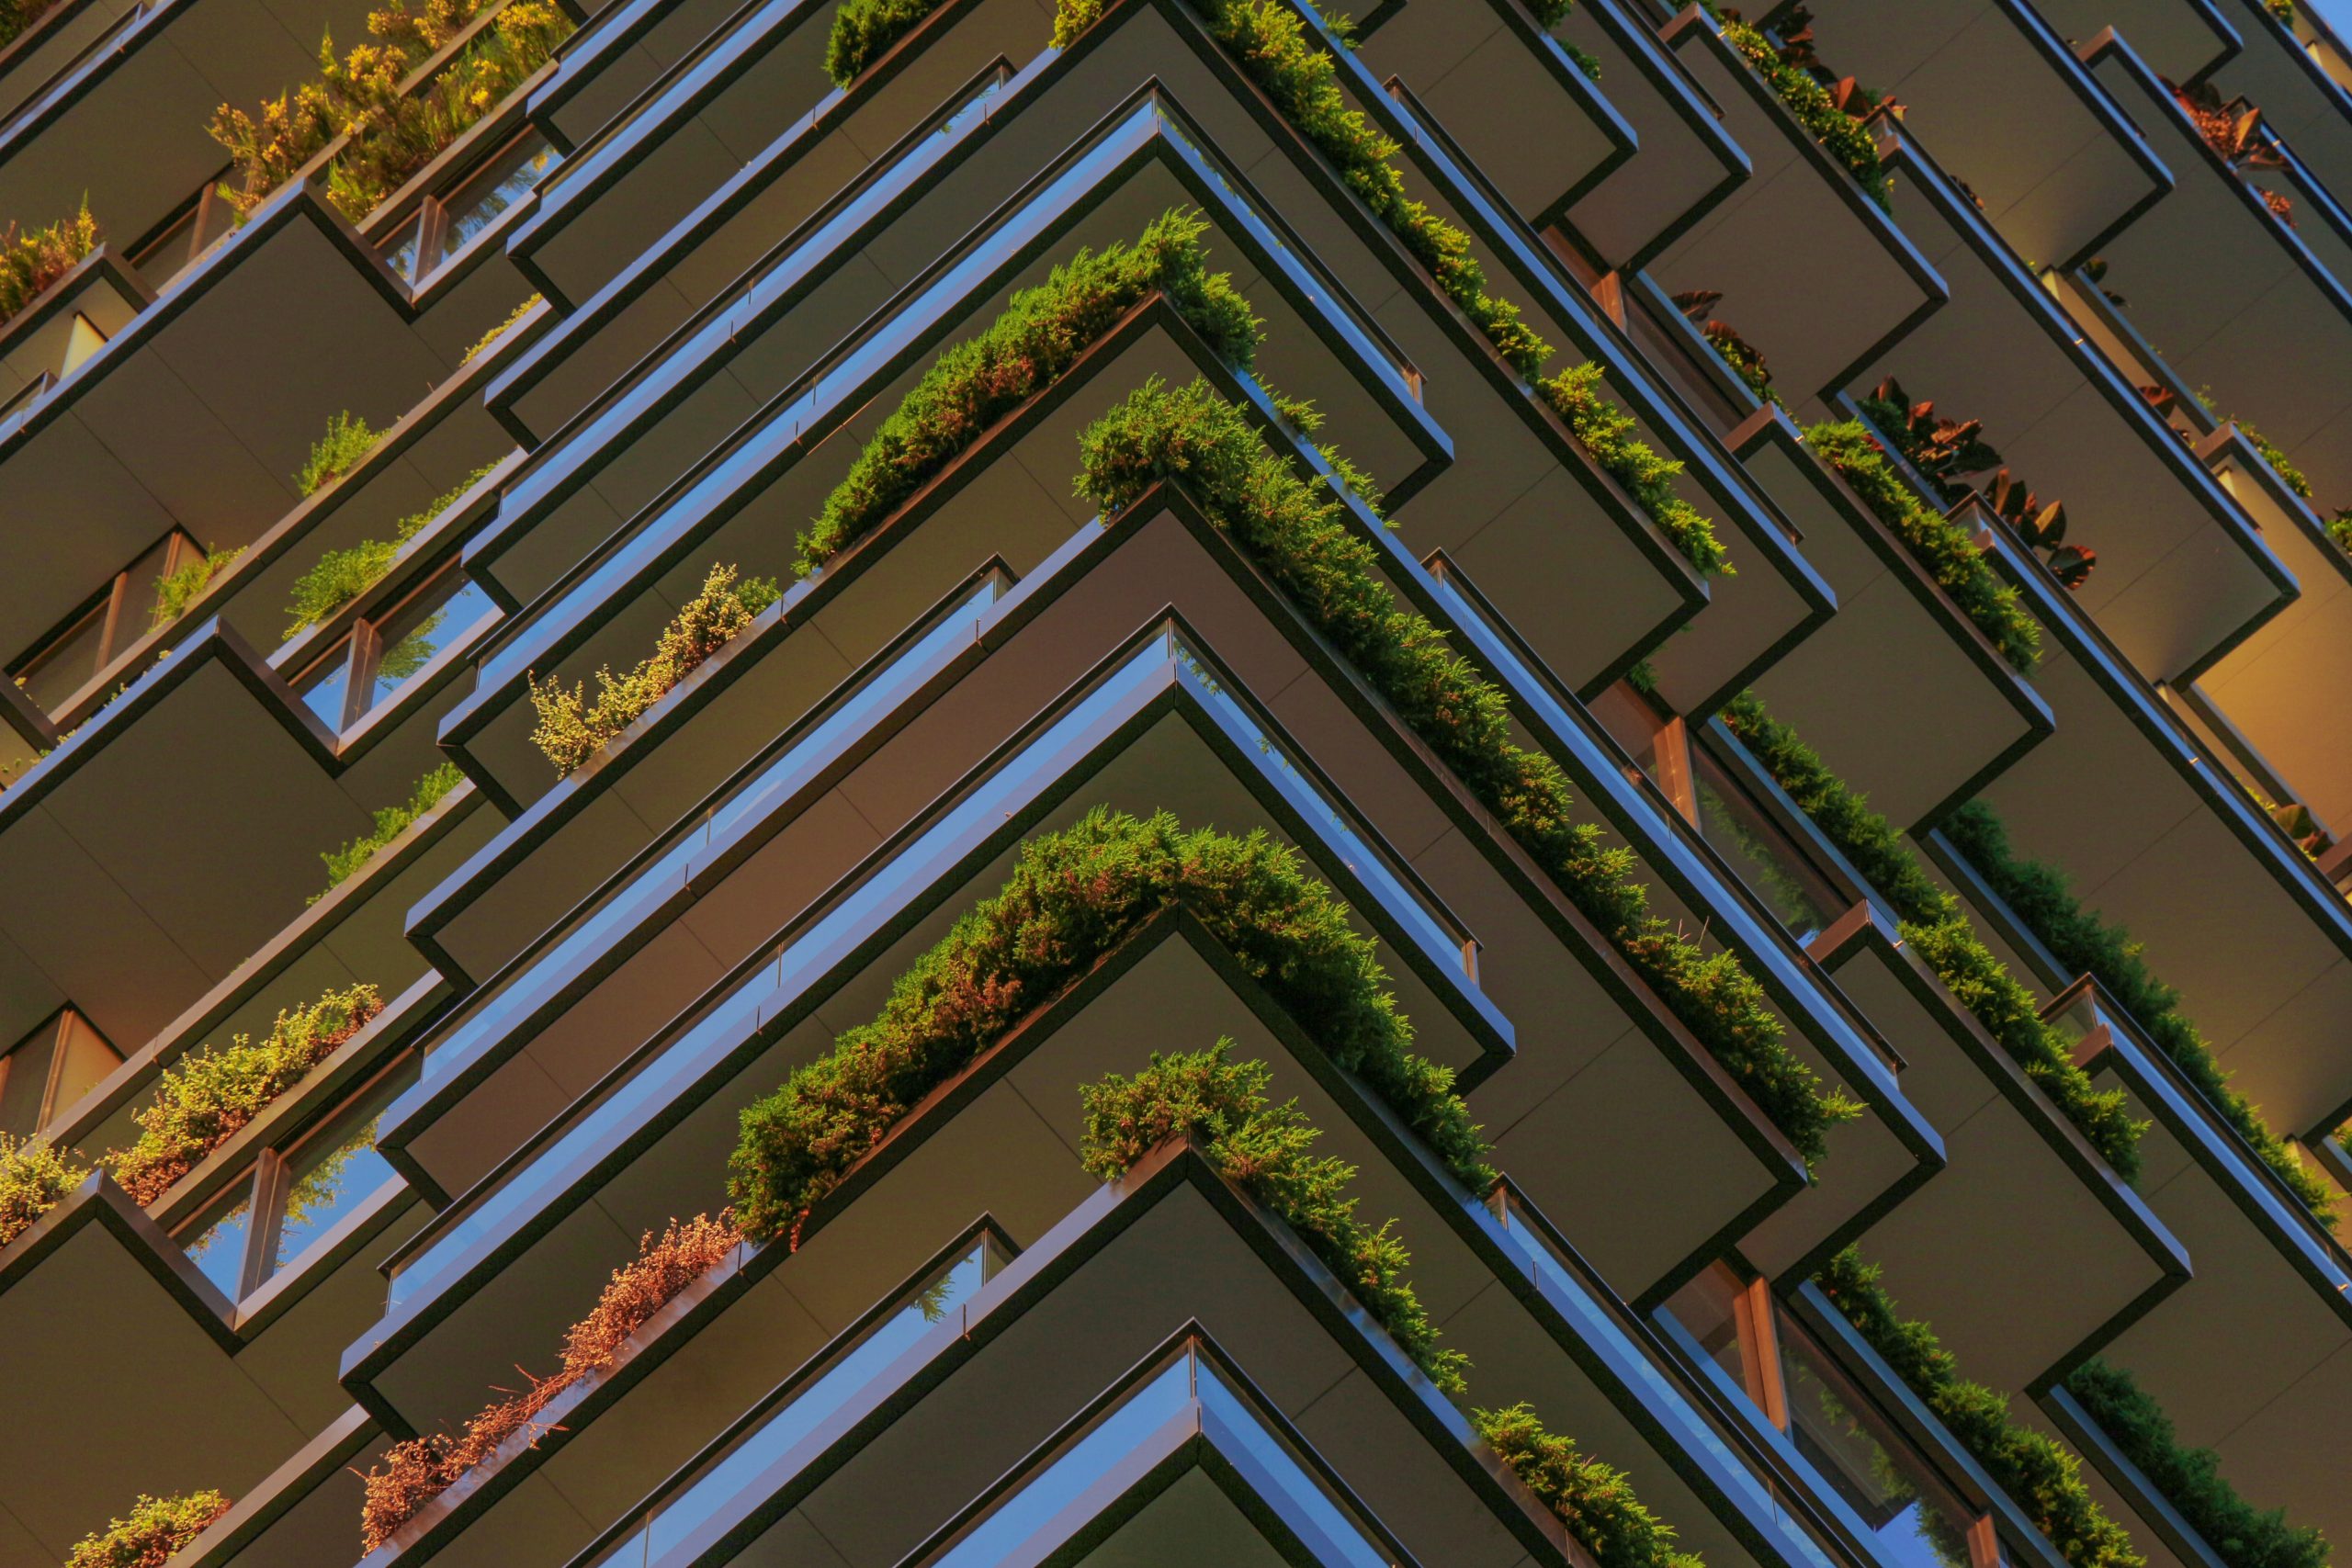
(279, 1207)
(380, 653)
(50, 1068)
(119, 615)
(443, 225)
(1913, 1515)
(1763, 854)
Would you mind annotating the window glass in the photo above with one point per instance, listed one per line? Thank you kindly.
(501, 183)
(66, 665)
(1761, 853)
(1916, 1521)
(401, 257)
(423, 627)
(215, 1239)
(326, 685)
(333, 1172)
(1708, 1309)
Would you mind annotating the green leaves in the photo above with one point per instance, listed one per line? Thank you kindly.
(156, 1531)
(1041, 334)
(2037, 1473)
(1939, 930)
(1072, 895)
(1597, 1503)
(574, 726)
(1292, 527)
(2191, 1479)
(391, 821)
(1267, 1151)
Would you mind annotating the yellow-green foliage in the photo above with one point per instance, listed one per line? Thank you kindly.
(31, 261)
(389, 134)
(201, 1103)
(1597, 1503)
(391, 821)
(180, 589)
(156, 1531)
(348, 439)
(342, 575)
(500, 330)
(572, 726)
(34, 1178)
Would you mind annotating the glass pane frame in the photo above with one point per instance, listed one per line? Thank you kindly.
(341, 684)
(57, 1062)
(266, 1183)
(96, 633)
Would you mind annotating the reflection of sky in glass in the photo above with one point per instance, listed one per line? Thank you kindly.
(323, 689)
(480, 202)
(1887, 1487)
(215, 1243)
(412, 641)
(686, 1511)
(995, 1539)
(326, 1179)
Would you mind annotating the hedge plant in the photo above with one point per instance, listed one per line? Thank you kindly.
(1072, 895)
(1292, 527)
(203, 1102)
(17, 17)
(1845, 137)
(349, 438)
(1267, 1151)
(341, 576)
(1938, 544)
(1273, 47)
(2288, 475)
(1938, 929)
(2190, 1479)
(391, 821)
(33, 260)
(198, 1106)
(2038, 894)
(388, 135)
(530, 302)
(34, 1178)
(574, 727)
(2034, 1469)
(416, 1470)
(176, 591)
(156, 1529)
(1041, 333)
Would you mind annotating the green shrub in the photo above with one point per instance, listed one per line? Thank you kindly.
(202, 1103)
(2037, 1473)
(1596, 1502)
(1041, 333)
(1271, 45)
(31, 261)
(1940, 545)
(864, 31)
(1072, 895)
(178, 590)
(1265, 1150)
(347, 440)
(16, 16)
(391, 821)
(1939, 930)
(500, 330)
(388, 134)
(2077, 937)
(2190, 1479)
(342, 575)
(2289, 475)
(1292, 528)
(34, 1178)
(1845, 137)
(574, 727)
(155, 1531)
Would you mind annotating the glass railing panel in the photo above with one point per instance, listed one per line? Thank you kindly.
(813, 1394)
(1760, 853)
(1913, 1519)
(1282, 1476)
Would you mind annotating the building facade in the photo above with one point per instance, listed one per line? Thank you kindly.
(853, 781)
